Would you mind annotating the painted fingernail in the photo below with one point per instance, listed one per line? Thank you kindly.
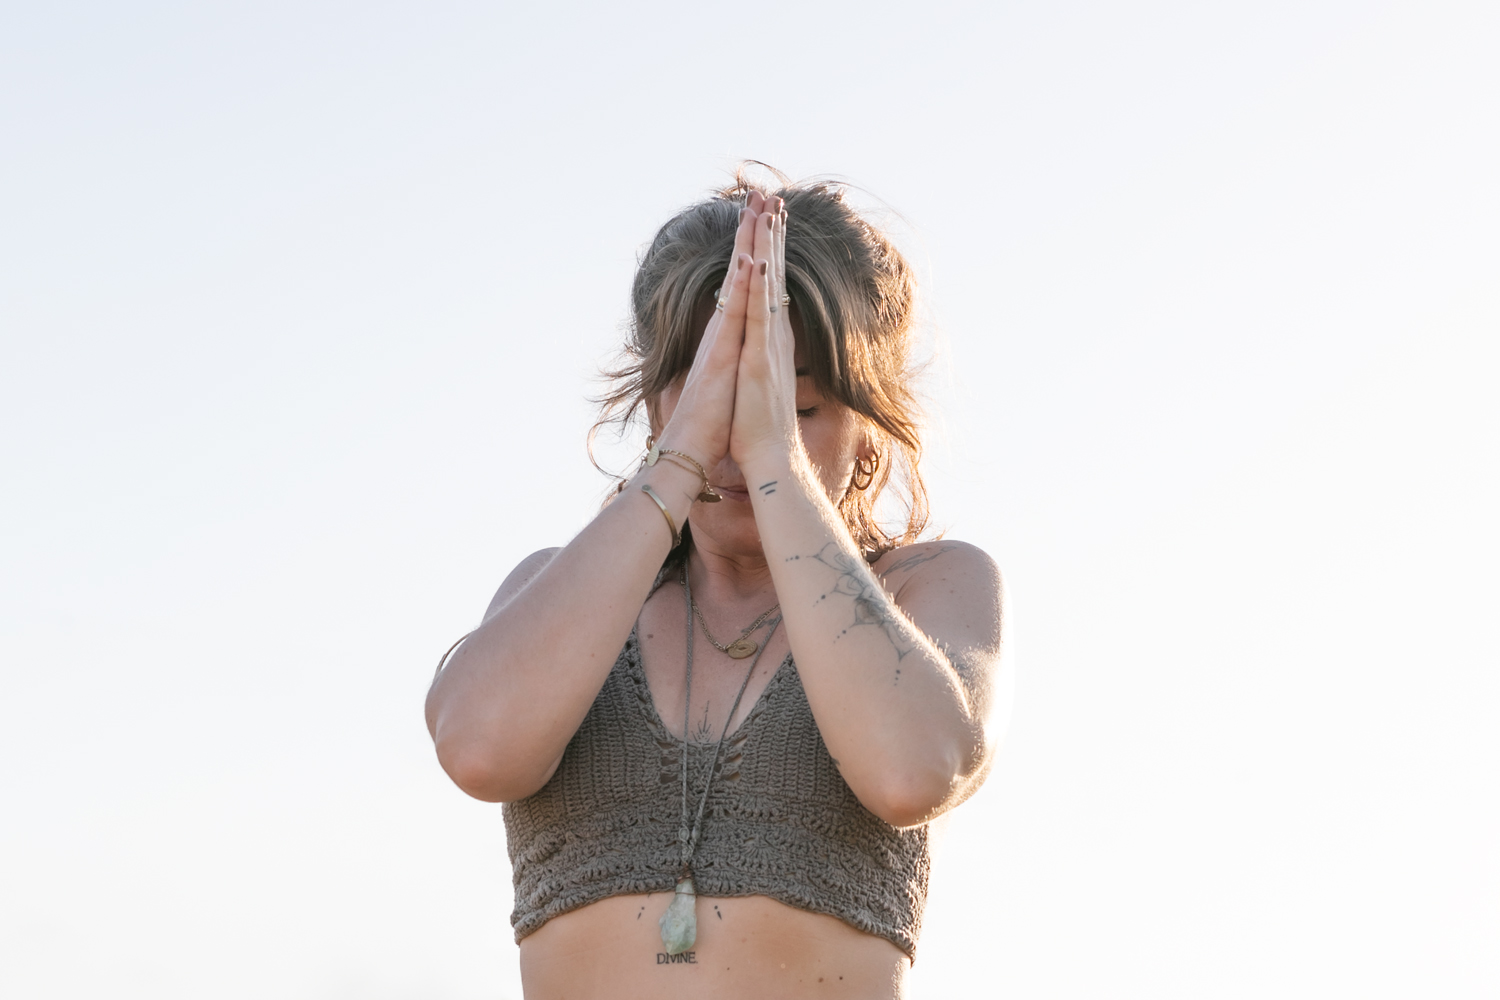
(762, 267)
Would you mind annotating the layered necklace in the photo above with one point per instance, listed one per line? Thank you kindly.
(741, 647)
(679, 925)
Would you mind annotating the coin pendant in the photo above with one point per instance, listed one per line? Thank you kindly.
(741, 648)
(709, 496)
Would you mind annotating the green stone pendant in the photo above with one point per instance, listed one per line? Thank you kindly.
(679, 925)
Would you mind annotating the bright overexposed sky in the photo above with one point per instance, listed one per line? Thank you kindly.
(300, 307)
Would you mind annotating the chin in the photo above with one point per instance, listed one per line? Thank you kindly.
(728, 526)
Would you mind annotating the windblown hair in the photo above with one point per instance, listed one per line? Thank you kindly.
(853, 292)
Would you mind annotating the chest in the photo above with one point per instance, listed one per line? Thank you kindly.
(717, 676)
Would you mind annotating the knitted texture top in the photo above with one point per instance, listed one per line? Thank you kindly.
(780, 822)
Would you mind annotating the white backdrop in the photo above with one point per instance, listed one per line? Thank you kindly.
(300, 304)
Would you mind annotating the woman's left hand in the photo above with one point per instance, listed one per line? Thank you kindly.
(764, 428)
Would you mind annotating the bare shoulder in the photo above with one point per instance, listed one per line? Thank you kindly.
(939, 560)
(954, 593)
(516, 581)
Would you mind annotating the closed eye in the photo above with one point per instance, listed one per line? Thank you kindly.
(810, 411)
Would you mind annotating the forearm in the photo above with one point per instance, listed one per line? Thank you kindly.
(503, 709)
(890, 707)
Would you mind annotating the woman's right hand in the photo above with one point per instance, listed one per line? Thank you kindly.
(703, 410)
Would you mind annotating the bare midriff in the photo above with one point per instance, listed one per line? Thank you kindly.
(748, 947)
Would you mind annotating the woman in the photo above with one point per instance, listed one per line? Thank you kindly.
(723, 715)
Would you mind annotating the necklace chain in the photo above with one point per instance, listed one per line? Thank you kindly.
(679, 925)
(744, 633)
(688, 835)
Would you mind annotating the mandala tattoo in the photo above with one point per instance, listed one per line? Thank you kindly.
(872, 605)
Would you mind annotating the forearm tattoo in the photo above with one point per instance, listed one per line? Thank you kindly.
(872, 605)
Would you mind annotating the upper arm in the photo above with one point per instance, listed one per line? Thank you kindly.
(526, 571)
(515, 582)
(953, 592)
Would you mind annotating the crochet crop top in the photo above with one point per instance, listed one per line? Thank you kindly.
(781, 822)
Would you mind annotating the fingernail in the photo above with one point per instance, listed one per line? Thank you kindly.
(762, 267)
(740, 262)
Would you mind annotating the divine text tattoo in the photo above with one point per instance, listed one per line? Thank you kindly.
(686, 958)
(766, 489)
(872, 605)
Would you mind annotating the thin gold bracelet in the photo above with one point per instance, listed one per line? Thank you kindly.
(655, 452)
(671, 524)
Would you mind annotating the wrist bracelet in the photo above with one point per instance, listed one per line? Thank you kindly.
(654, 453)
(671, 524)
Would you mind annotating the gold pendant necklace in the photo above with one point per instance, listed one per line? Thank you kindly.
(741, 647)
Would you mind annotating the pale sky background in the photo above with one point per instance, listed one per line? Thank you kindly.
(300, 305)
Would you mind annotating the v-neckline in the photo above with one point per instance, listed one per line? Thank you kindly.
(653, 717)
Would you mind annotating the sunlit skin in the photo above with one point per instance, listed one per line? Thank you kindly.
(904, 705)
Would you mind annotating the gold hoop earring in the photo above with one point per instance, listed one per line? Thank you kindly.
(864, 472)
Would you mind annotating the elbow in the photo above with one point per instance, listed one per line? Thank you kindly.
(913, 796)
(906, 807)
(486, 774)
(474, 777)
(912, 799)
